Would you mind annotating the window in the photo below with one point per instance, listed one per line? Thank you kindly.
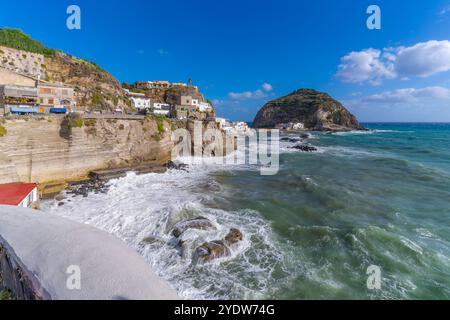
(28, 200)
(51, 101)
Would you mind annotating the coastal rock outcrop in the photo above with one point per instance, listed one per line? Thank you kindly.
(176, 165)
(291, 139)
(233, 237)
(315, 110)
(304, 147)
(218, 248)
(199, 223)
(210, 251)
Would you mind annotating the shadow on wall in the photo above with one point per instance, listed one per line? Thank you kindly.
(98, 265)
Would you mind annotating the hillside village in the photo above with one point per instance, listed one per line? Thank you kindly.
(76, 107)
(39, 81)
(27, 89)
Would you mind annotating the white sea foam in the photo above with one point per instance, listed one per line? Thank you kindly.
(142, 206)
(358, 132)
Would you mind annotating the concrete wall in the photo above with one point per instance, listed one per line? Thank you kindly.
(47, 257)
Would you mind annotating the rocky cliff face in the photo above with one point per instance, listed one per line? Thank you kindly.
(169, 95)
(172, 94)
(316, 110)
(94, 87)
(48, 150)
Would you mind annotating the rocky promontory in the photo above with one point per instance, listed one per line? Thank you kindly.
(314, 110)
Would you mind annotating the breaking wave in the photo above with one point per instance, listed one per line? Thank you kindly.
(139, 207)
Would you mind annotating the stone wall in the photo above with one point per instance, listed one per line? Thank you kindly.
(9, 77)
(48, 149)
(32, 64)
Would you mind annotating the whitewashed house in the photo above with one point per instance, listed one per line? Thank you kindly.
(204, 107)
(223, 123)
(140, 101)
(161, 108)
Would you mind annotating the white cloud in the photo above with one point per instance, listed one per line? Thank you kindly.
(257, 94)
(424, 59)
(217, 102)
(163, 52)
(267, 87)
(445, 10)
(367, 65)
(409, 95)
(371, 65)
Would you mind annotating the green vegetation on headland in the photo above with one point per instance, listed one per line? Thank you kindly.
(16, 39)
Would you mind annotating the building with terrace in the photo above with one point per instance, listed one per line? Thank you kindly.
(18, 99)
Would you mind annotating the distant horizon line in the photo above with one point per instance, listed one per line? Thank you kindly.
(408, 122)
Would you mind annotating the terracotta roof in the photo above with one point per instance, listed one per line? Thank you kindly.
(13, 194)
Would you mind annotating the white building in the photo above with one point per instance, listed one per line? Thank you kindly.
(140, 101)
(161, 108)
(204, 107)
(178, 84)
(241, 126)
(223, 123)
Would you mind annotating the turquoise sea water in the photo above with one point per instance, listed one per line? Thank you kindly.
(310, 232)
(380, 198)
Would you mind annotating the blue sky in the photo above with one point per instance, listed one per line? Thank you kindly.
(243, 53)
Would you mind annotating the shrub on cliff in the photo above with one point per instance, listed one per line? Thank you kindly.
(15, 38)
(159, 119)
(160, 125)
(5, 295)
(90, 122)
(3, 131)
(74, 120)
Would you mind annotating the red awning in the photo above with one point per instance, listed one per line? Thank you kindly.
(13, 194)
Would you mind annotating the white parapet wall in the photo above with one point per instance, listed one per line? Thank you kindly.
(47, 257)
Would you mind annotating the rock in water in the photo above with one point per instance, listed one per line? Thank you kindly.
(217, 248)
(176, 165)
(199, 223)
(290, 139)
(304, 148)
(151, 240)
(233, 237)
(316, 110)
(210, 251)
(306, 135)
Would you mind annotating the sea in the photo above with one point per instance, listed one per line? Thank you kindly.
(364, 201)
